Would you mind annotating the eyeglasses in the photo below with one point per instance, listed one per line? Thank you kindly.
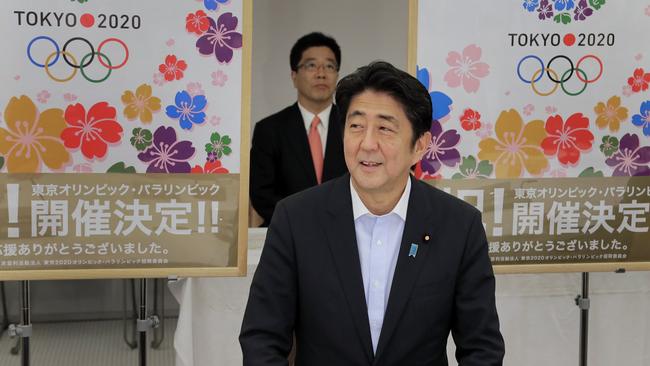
(312, 66)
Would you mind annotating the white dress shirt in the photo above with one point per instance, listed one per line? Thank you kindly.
(324, 117)
(378, 241)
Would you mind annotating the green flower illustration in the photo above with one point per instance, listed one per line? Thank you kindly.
(470, 170)
(590, 172)
(141, 138)
(120, 168)
(218, 145)
(609, 145)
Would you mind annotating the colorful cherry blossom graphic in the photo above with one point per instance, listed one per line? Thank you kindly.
(189, 110)
(567, 140)
(221, 38)
(441, 149)
(516, 147)
(643, 118)
(32, 137)
(172, 68)
(167, 154)
(141, 104)
(630, 159)
(639, 80)
(466, 69)
(92, 131)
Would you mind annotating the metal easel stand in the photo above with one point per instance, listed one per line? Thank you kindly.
(133, 342)
(158, 310)
(5, 312)
(582, 301)
(24, 330)
(159, 332)
(144, 323)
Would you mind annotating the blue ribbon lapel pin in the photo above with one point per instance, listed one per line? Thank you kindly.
(413, 251)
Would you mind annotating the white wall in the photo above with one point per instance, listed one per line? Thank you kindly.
(366, 30)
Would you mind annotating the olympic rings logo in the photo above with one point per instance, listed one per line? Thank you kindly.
(71, 60)
(559, 79)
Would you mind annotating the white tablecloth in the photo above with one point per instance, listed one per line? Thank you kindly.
(539, 319)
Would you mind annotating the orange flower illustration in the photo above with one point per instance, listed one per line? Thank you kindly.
(140, 105)
(611, 114)
(516, 146)
(32, 138)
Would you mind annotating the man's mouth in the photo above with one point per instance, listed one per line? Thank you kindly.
(369, 163)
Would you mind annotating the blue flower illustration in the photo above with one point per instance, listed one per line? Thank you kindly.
(439, 100)
(531, 5)
(643, 118)
(188, 110)
(564, 5)
(213, 4)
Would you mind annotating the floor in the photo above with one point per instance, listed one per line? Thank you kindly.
(96, 343)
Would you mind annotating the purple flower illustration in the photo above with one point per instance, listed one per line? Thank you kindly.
(630, 159)
(441, 149)
(166, 154)
(545, 10)
(582, 11)
(221, 38)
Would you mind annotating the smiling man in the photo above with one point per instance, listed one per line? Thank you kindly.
(375, 267)
(300, 146)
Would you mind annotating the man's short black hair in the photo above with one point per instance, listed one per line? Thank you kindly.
(380, 76)
(314, 39)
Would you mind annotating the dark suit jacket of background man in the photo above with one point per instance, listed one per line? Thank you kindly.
(309, 279)
(281, 162)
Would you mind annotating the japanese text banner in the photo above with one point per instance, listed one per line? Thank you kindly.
(56, 221)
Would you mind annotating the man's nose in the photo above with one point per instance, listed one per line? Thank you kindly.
(369, 141)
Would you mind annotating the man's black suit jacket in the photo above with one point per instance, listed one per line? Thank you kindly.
(281, 162)
(309, 281)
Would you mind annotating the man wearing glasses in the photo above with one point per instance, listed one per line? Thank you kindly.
(300, 146)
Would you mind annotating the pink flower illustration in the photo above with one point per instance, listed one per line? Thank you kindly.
(557, 173)
(219, 78)
(215, 120)
(485, 130)
(627, 90)
(195, 88)
(69, 97)
(529, 109)
(159, 79)
(43, 96)
(82, 168)
(550, 109)
(466, 69)
(647, 10)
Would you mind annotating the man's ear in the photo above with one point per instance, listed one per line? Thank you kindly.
(293, 77)
(421, 145)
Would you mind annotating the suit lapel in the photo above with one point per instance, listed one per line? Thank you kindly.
(297, 140)
(418, 223)
(342, 241)
(334, 144)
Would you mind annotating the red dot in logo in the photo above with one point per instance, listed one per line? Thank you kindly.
(569, 39)
(87, 20)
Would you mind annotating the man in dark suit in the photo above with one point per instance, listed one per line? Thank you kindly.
(300, 146)
(375, 267)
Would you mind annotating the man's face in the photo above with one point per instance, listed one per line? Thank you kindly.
(377, 144)
(315, 78)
